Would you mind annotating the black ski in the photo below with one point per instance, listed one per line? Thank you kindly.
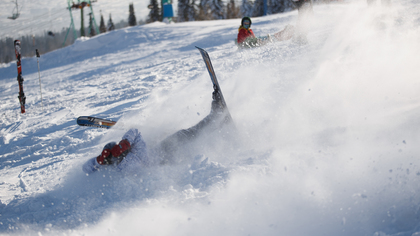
(95, 122)
(216, 85)
(22, 98)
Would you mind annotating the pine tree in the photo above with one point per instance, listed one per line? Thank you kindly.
(102, 28)
(277, 6)
(217, 9)
(192, 12)
(132, 17)
(154, 14)
(91, 28)
(204, 10)
(43, 42)
(110, 24)
(246, 8)
(232, 10)
(182, 10)
(186, 10)
(258, 9)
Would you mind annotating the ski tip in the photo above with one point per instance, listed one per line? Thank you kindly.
(202, 52)
(200, 49)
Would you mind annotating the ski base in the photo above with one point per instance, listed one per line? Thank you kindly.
(216, 86)
(95, 122)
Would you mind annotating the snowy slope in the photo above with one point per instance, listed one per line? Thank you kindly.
(327, 131)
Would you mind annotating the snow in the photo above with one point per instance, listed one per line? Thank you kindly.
(326, 144)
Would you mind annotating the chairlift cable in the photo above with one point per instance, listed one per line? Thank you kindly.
(13, 28)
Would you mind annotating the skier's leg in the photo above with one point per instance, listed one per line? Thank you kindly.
(211, 122)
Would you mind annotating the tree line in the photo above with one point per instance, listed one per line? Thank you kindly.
(188, 10)
(46, 42)
(195, 10)
(49, 41)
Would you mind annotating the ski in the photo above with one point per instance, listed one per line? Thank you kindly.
(21, 96)
(215, 82)
(95, 122)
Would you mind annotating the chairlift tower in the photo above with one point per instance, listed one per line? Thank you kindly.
(80, 5)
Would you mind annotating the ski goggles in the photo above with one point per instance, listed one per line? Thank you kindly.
(246, 24)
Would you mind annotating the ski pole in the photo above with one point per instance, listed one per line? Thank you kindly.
(39, 74)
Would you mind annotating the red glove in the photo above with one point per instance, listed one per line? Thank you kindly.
(123, 147)
(105, 157)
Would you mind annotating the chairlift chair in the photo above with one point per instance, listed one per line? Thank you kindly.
(14, 16)
(15, 12)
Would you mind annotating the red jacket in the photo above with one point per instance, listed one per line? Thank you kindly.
(244, 33)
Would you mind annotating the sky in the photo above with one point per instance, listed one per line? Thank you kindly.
(37, 16)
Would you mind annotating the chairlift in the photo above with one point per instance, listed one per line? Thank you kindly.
(14, 16)
(15, 12)
(50, 33)
(82, 4)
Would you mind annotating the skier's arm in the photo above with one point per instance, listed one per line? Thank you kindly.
(121, 148)
(119, 151)
(137, 156)
(131, 135)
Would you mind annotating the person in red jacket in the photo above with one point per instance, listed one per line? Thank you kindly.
(132, 153)
(245, 30)
(246, 37)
